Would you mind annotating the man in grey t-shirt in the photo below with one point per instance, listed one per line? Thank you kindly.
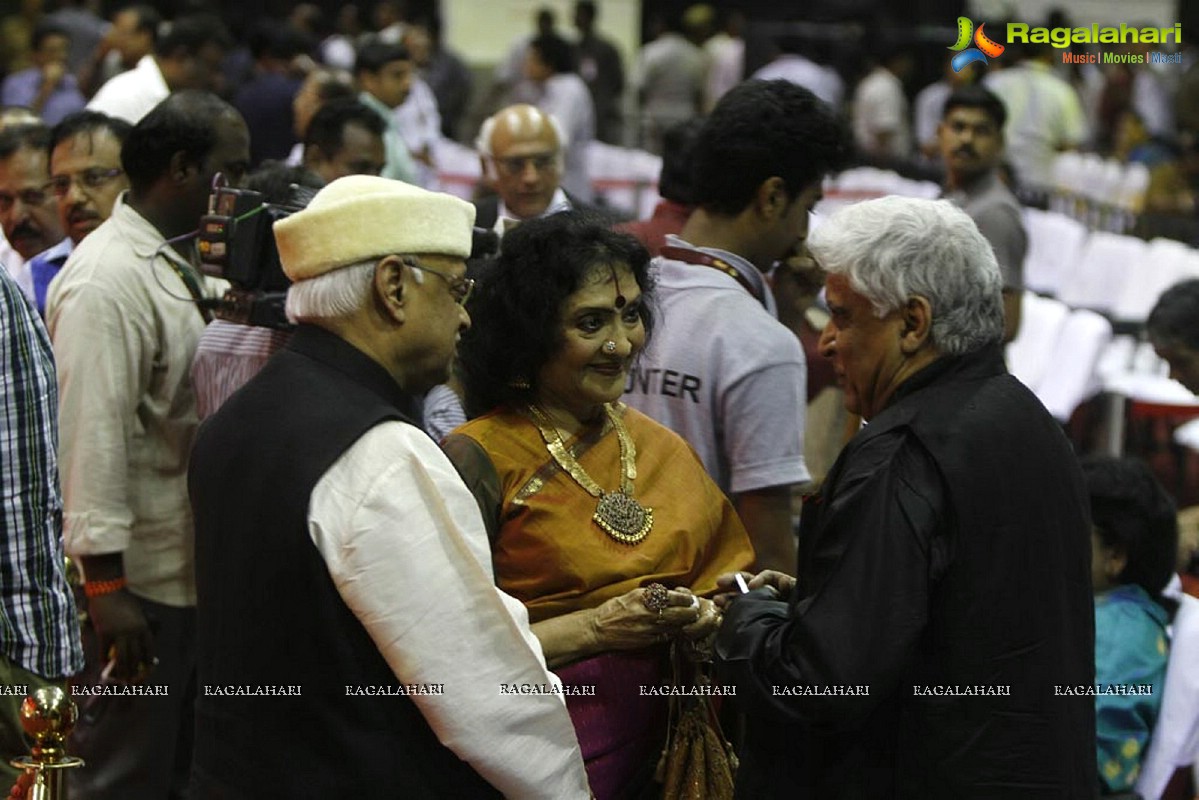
(721, 370)
(971, 140)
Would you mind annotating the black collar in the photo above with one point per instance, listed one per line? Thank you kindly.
(985, 362)
(337, 354)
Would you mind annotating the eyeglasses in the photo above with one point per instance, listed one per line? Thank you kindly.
(460, 288)
(513, 166)
(88, 179)
(30, 197)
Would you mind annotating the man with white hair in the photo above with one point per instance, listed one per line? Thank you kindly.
(521, 150)
(340, 557)
(941, 625)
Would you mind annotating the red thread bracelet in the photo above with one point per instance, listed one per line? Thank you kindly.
(97, 588)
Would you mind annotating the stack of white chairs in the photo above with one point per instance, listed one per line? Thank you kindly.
(1103, 194)
(1099, 274)
(1054, 243)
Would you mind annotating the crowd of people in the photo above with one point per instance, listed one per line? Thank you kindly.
(452, 526)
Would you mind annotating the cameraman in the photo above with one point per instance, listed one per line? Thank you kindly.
(124, 324)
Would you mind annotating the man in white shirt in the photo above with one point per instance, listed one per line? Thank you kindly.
(563, 95)
(1044, 115)
(726, 54)
(339, 555)
(792, 64)
(187, 56)
(882, 128)
(124, 325)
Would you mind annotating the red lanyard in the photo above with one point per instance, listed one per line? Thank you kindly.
(705, 260)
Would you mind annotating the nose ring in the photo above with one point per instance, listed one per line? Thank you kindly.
(609, 347)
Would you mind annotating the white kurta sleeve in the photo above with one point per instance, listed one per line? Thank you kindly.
(405, 545)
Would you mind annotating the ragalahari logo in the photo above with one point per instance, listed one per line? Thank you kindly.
(984, 46)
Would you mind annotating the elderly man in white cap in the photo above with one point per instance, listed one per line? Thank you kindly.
(351, 640)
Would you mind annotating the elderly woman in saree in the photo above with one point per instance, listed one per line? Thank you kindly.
(603, 522)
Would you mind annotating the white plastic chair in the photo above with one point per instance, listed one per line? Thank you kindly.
(1187, 435)
(1164, 264)
(1133, 187)
(1102, 269)
(1054, 244)
(1175, 739)
(1117, 358)
(1072, 377)
(1066, 170)
(1030, 354)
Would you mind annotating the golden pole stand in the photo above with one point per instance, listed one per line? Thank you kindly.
(48, 716)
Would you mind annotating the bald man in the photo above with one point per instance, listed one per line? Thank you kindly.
(521, 150)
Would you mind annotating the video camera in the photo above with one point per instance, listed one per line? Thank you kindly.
(236, 243)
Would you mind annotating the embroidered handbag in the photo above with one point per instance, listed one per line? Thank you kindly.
(697, 763)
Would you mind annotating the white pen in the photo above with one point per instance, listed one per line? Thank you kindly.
(740, 583)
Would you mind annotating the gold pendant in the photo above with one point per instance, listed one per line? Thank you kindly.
(623, 518)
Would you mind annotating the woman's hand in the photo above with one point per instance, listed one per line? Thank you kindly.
(707, 623)
(627, 622)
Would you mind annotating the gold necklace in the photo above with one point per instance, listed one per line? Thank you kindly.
(617, 513)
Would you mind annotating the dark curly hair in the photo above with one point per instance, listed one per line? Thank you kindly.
(1131, 510)
(515, 313)
(761, 129)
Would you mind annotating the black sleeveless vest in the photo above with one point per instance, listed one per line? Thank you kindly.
(269, 615)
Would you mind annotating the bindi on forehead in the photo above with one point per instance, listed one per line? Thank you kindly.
(607, 286)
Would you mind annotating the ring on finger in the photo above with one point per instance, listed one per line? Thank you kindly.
(655, 597)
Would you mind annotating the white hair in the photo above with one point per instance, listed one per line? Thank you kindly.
(336, 294)
(893, 248)
(332, 295)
